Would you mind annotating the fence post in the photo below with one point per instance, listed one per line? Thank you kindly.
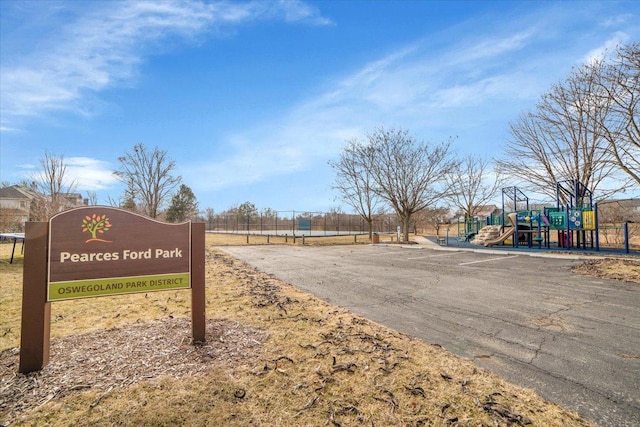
(625, 229)
(597, 226)
(325, 223)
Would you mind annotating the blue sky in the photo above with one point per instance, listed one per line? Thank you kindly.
(252, 99)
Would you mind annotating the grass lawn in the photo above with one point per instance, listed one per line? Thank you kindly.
(274, 356)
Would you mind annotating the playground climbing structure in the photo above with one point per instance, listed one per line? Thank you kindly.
(575, 217)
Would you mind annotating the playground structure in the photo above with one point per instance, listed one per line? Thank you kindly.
(574, 219)
(577, 221)
(507, 233)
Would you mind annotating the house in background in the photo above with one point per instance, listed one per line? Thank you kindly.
(15, 207)
(486, 211)
(481, 213)
(18, 204)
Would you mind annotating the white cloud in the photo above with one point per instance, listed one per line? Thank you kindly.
(89, 174)
(608, 47)
(297, 11)
(86, 173)
(616, 20)
(104, 47)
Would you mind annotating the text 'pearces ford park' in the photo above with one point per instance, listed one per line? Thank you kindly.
(124, 255)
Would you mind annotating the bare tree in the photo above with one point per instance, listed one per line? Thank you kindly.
(268, 213)
(432, 219)
(149, 179)
(408, 174)
(619, 84)
(210, 215)
(563, 139)
(614, 214)
(53, 186)
(92, 198)
(472, 184)
(354, 181)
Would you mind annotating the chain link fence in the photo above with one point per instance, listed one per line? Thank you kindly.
(298, 223)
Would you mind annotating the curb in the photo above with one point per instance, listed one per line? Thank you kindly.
(424, 243)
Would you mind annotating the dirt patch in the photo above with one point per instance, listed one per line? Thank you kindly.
(117, 358)
(616, 269)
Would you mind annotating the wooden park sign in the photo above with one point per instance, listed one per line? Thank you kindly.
(100, 251)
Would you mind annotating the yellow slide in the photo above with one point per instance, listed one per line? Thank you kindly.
(508, 232)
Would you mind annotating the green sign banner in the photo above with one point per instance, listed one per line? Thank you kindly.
(113, 286)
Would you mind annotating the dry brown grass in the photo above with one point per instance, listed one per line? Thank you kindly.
(312, 364)
(627, 270)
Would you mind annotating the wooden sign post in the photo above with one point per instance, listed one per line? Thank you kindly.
(100, 251)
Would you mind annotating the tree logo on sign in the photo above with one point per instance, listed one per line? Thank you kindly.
(96, 225)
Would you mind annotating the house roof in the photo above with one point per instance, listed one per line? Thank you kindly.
(16, 192)
(486, 210)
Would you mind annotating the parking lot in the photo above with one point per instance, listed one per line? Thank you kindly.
(574, 339)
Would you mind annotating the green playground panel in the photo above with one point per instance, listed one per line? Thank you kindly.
(557, 220)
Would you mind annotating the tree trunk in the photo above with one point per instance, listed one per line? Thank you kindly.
(405, 227)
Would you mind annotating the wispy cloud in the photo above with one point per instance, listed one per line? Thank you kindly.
(86, 173)
(90, 174)
(410, 85)
(607, 48)
(104, 46)
(474, 86)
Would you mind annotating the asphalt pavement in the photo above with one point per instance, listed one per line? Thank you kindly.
(574, 339)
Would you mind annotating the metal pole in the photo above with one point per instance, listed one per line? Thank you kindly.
(516, 238)
(625, 229)
(597, 227)
(539, 230)
(325, 223)
(568, 240)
